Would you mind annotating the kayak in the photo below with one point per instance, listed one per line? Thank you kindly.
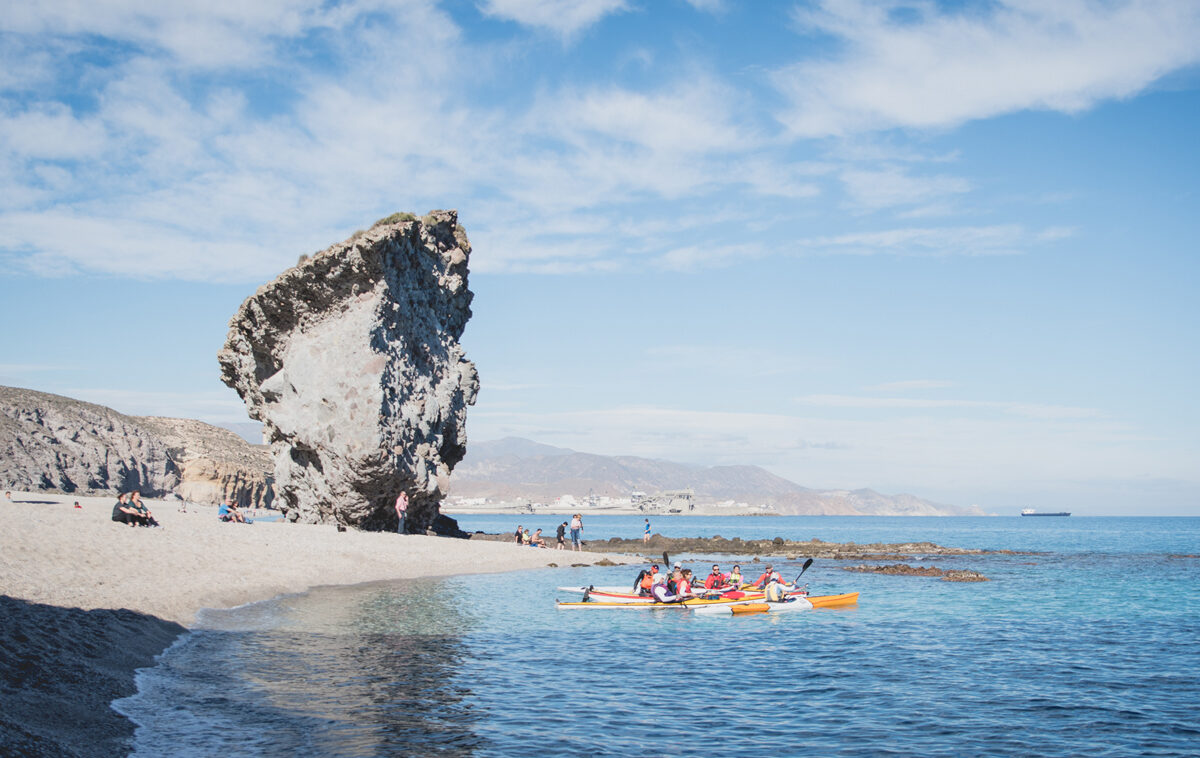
(791, 604)
(821, 601)
(834, 601)
(620, 595)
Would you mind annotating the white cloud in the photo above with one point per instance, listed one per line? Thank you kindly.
(942, 68)
(890, 185)
(563, 17)
(1007, 239)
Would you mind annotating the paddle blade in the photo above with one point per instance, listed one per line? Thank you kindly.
(804, 568)
(666, 561)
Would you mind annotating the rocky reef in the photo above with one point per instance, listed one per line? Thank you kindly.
(55, 443)
(903, 569)
(352, 361)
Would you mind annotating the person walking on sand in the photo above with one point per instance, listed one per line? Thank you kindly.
(646, 532)
(401, 510)
(576, 530)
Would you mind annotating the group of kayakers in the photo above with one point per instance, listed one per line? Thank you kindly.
(680, 584)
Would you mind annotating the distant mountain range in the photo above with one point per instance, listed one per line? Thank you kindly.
(514, 468)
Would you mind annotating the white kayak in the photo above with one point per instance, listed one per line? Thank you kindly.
(783, 606)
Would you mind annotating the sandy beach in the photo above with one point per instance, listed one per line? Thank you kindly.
(86, 601)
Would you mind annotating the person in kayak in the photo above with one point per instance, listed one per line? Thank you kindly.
(735, 577)
(645, 580)
(768, 576)
(715, 579)
(683, 587)
(662, 593)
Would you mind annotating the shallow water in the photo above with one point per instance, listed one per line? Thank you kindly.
(1089, 647)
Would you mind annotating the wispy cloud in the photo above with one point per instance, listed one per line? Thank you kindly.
(1028, 410)
(921, 65)
(911, 384)
(1007, 239)
(563, 17)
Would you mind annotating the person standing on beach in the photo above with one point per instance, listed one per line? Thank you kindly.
(401, 510)
(646, 532)
(562, 537)
(576, 530)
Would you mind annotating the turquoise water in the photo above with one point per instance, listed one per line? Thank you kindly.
(1087, 647)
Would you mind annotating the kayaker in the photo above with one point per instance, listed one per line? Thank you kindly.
(768, 576)
(662, 593)
(683, 587)
(715, 578)
(645, 580)
(735, 577)
(675, 580)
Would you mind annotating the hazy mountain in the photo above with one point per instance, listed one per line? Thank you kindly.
(513, 468)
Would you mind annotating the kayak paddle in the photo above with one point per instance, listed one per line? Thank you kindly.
(802, 570)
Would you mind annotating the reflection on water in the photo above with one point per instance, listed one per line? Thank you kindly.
(353, 671)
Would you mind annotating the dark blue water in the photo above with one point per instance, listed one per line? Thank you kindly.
(1088, 647)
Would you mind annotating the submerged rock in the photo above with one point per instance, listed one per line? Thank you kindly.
(352, 361)
(903, 569)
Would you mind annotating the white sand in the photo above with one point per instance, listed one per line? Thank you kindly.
(53, 553)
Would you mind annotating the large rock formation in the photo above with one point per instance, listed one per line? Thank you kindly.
(50, 442)
(352, 362)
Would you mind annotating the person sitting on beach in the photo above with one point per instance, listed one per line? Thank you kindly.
(768, 576)
(518, 534)
(229, 513)
(123, 512)
(526, 538)
(715, 579)
(562, 537)
(144, 516)
(538, 540)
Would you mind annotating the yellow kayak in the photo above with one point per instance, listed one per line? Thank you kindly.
(819, 601)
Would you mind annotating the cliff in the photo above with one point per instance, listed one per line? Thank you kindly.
(51, 442)
(352, 361)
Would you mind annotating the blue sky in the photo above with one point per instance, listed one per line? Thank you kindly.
(941, 248)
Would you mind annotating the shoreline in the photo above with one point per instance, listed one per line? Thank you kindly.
(85, 601)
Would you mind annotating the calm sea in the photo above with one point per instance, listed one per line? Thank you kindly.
(1091, 646)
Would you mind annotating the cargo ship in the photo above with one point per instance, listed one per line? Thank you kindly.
(1032, 512)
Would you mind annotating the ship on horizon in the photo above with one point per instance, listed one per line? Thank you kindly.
(1032, 512)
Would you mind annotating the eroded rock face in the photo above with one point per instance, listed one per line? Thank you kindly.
(214, 463)
(50, 442)
(352, 362)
